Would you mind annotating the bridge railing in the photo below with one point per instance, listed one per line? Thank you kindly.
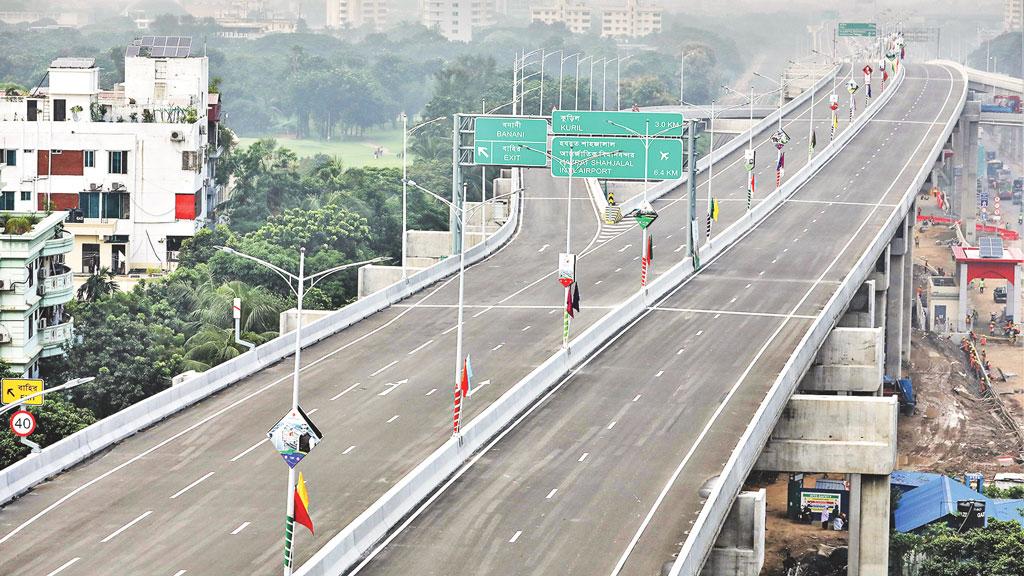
(705, 530)
(61, 455)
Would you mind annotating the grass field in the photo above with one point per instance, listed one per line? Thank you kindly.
(352, 151)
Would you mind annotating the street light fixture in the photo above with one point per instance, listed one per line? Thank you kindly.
(561, 66)
(578, 62)
(405, 175)
(591, 95)
(618, 80)
(299, 291)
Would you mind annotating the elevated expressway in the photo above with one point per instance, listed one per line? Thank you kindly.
(605, 476)
(201, 492)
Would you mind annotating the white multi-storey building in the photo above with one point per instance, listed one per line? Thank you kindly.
(133, 165)
(574, 14)
(1013, 13)
(635, 20)
(346, 14)
(457, 19)
(35, 284)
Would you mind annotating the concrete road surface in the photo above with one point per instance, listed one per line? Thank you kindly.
(603, 477)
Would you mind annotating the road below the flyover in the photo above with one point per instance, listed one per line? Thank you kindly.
(203, 493)
(603, 476)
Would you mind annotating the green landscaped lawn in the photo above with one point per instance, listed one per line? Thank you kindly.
(352, 151)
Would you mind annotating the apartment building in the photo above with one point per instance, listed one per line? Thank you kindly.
(35, 284)
(133, 165)
(348, 14)
(574, 14)
(457, 20)
(1013, 13)
(636, 19)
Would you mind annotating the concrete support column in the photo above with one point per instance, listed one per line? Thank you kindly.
(869, 525)
(955, 192)
(1013, 295)
(909, 294)
(739, 549)
(894, 303)
(861, 312)
(961, 278)
(972, 114)
(880, 277)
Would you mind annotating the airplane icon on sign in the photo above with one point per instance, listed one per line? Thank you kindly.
(664, 155)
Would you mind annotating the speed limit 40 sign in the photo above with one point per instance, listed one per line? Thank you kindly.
(23, 423)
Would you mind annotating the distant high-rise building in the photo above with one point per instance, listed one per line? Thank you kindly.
(1012, 14)
(357, 13)
(457, 19)
(573, 13)
(636, 19)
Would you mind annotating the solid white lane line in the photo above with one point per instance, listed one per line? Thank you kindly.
(191, 486)
(584, 457)
(393, 418)
(550, 494)
(612, 425)
(637, 397)
(420, 347)
(249, 449)
(515, 537)
(126, 526)
(481, 313)
(497, 347)
(345, 391)
(240, 528)
(384, 368)
(432, 390)
(349, 449)
(64, 565)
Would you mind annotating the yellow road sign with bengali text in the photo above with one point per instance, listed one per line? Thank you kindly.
(15, 389)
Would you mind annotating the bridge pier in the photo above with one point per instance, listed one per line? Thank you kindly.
(850, 361)
(861, 312)
(880, 277)
(909, 294)
(739, 549)
(969, 160)
(895, 301)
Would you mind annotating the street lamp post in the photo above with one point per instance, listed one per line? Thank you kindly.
(618, 80)
(405, 175)
(299, 291)
(604, 84)
(578, 61)
(561, 67)
(750, 142)
(591, 95)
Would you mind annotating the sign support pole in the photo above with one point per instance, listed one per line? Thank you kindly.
(568, 250)
(644, 261)
(290, 521)
(692, 185)
(454, 224)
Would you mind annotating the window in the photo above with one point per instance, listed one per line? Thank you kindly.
(190, 161)
(56, 152)
(6, 200)
(115, 205)
(89, 204)
(26, 195)
(10, 157)
(117, 162)
(90, 158)
(60, 110)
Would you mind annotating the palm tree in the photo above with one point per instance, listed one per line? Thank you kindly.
(211, 346)
(98, 285)
(260, 307)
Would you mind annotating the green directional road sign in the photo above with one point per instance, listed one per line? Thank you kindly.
(504, 141)
(617, 123)
(620, 158)
(866, 29)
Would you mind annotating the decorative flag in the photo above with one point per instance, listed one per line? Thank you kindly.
(750, 190)
(302, 504)
(814, 139)
(576, 297)
(903, 52)
(568, 302)
(780, 169)
(869, 90)
(461, 391)
(708, 230)
(885, 75)
(650, 248)
(714, 209)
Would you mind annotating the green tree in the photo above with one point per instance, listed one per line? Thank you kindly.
(98, 285)
(995, 550)
(55, 419)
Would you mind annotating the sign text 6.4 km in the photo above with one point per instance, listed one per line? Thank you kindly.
(615, 158)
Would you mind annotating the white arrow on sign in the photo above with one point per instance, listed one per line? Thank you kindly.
(391, 386)
(482, 152)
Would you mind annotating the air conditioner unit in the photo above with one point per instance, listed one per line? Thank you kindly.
(95, 186)
(5, 336)
(177, 136)
(117, 186)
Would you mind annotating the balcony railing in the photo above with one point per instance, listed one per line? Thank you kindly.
(57, 334)
(61, 282)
